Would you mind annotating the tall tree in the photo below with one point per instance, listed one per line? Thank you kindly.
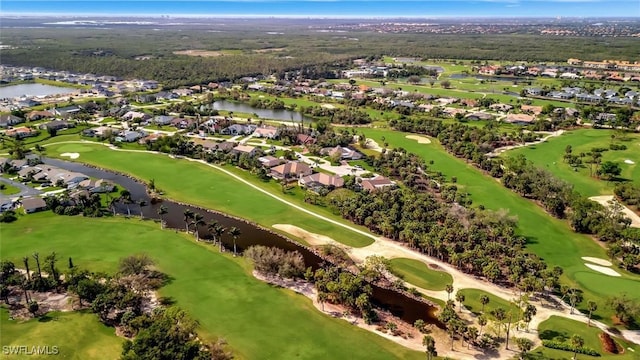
(460, 299)
(430, 346)
(449, 290)
(591, 306)
(198, 220)
(577, 342)
(25, 260)
(188, 215)
(525, 345)
(235, 233)
(162, 211)
(484, 300)
(36, 256)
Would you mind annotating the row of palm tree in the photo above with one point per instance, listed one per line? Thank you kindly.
(195, 220)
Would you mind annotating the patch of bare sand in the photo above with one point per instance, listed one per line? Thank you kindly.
(597, 261)
(419, 139)
(604, 201)
(268, 50)
(603, 270)
(410, 338)
(202, 53)
(311, 238)
(328, 106)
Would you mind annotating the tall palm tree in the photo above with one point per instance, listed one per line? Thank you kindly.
(211, 227)
(430, 345)
(162, 211)
(197, 221)
(36, 256)
(188, 215)
(219, 230)
(25, 260)
(234, 232)
(577, 343)
(484, 300)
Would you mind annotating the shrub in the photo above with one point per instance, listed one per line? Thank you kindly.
(271, 260)
(560, 345)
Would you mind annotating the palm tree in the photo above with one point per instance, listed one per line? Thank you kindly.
(460, 299)
(484, 300)
(430, 345)
(592, 306)
(472, 335)
(449, 290)
(36, 256)
(25, 260)
(188, 214)
(500, 315)
(219, 230)
(234, 232)
(577, 343)
(162, 211)
(197, 221)
(482, 321)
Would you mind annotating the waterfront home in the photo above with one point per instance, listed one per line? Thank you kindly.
(39, 115)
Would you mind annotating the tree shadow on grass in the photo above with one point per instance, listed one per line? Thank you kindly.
(553, 335)
(46, 318)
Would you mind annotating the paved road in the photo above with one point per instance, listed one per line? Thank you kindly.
(25, 190)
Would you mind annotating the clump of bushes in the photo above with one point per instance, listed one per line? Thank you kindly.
(275, 261)
(560, 345)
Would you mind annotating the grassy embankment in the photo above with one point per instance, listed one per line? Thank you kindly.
(550, 238)
(417, 273)
(217, 290)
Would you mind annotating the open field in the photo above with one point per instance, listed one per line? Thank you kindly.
(78, 336)
(8, 189)
(550, 238)
(473, 304)
(201, 185)
(562, 329)
(217, 290)
(417, 273)
(549, 155)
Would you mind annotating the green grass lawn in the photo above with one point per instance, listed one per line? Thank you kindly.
(78, 335)
(549, 155)
(419, 274)
(562, 329)
(7, 189)
(550, 238)
(473, 304)
(258, 320)
(201, 185)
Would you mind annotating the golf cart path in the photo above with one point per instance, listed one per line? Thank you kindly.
(387, 248)
(500, 150)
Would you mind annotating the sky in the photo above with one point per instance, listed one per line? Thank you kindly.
(330, 8)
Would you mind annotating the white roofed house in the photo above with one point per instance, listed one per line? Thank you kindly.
(268, 132)
(321, 179)
(245, 149)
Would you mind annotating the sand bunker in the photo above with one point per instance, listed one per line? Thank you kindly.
(71, 155)
(328, 106)
(630, 162)
(309, 237)
(419, 139)
(602, 269)
(598, 261)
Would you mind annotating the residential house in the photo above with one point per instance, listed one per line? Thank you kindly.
(33, 204)
(162, 119)
(269, 161)
(67, 110)
(150, 138)
(531, 109)
(478, 116)
(321, 179)
(292, 170)
(501, 107)
(344, 152)
(245, 149)
(10, 120)
(238, 129)
(57, 125)
(519, 119)
(21, 132)
(560, 95)
(130, 115)
(269, 132)
(97, 186)
(38, 115)
(129, 135)
(304, 139)
(377, 183)
(589, 98)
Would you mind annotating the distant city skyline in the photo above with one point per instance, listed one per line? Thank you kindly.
(329, 8)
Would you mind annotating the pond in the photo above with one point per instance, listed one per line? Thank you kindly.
(401, 305)
(282, 115)
(13, 91)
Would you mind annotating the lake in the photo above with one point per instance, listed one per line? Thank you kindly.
(282, 115)
(13, 91)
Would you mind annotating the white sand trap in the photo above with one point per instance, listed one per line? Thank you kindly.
(602, 269)
(328, 106)
(598, 261)
(311, 238)
(71, 155)
(630, 162)
(419, 139)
